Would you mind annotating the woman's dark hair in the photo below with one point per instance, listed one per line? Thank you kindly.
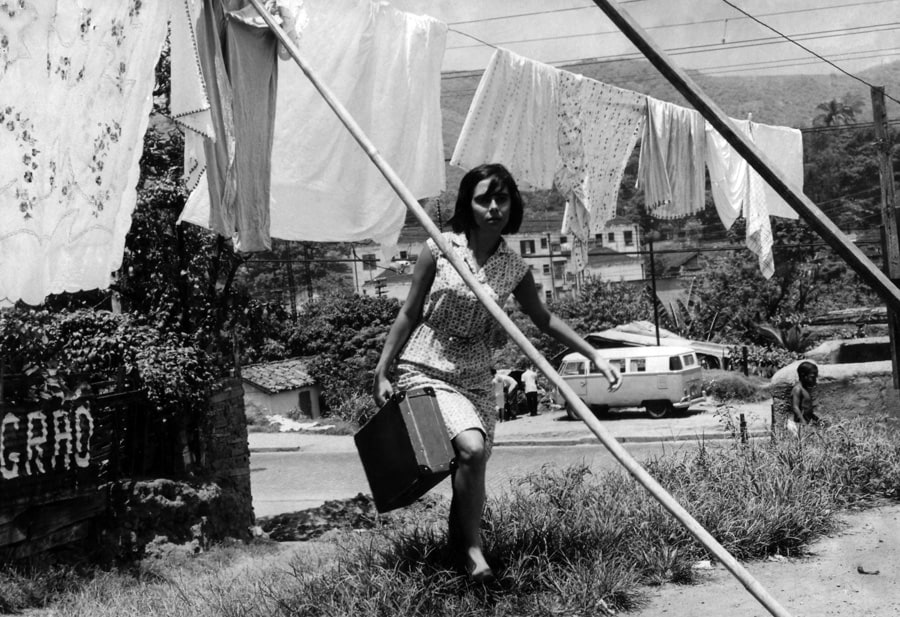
(463, 218)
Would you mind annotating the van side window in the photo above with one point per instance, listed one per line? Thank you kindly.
(572, 368)
(638, 365)
(674, 363)
(618, 364)
(689, 359)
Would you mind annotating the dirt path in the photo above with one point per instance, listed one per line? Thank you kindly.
(832, 581)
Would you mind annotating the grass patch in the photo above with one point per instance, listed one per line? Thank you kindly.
(565, 541)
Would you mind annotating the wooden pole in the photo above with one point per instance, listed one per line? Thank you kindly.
(811, 213)
(890, 233)
(615, 448)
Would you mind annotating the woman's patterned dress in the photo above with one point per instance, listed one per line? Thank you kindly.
(449, 348)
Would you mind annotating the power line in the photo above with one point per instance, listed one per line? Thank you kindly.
(813, 35)
(703, 48)
(808, 50)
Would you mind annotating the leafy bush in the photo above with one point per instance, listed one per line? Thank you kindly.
(764, 360)
(730, 386)
(95, 346)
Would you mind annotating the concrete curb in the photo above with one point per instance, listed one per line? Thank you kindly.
(571, 441)
(578, 441)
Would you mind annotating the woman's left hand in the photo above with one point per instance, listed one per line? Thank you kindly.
(611, 374)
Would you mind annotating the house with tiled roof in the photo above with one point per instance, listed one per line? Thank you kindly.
(281, 387)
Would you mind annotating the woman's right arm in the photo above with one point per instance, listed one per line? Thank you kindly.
(407, 319)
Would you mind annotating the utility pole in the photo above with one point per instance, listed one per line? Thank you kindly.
(309, 286)
(550, 258)
(890, 234)
(292, 287)
(651, 236)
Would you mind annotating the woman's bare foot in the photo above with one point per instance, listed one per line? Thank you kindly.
(477, 569)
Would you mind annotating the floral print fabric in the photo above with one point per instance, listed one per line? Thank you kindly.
(598, 127)
(449, 349)
(77, 80)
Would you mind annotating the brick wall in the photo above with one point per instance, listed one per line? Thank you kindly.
(225, 456)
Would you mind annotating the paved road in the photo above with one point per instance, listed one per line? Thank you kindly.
(290, 481)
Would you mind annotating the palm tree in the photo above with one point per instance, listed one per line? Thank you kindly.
(836, 112)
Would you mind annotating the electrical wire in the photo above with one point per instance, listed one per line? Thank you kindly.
(819, 56)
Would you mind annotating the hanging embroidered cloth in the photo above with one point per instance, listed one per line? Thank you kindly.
(598, 127)
(77, 82)
(550, 127)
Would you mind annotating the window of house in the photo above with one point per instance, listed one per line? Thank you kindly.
(369, 261)
(526, 247)
(599, 238)
(548, 295)
(563, 239)
(611, 237)
(546, 269)
(404, 255)
(629, 238)
(543, 243)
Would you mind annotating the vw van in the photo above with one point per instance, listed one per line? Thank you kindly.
(659, 379)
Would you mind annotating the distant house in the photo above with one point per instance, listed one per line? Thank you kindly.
(277, 388)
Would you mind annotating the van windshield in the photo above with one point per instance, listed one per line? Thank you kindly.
(572, 368)
(689, 359)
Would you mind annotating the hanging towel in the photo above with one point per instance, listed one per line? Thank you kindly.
(670, 168)
(759, 229)
(384, 66)
(77, 82)
(598, 127)
(237, 54)
(783, 146)
(513, 120)
(728, 174)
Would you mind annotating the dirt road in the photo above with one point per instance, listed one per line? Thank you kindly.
(855, 573)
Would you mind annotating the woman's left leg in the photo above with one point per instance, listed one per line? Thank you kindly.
(467, 505)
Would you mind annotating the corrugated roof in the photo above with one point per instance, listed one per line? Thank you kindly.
(272, 377)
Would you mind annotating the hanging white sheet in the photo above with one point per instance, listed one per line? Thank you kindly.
(77, 82)
(384, 67)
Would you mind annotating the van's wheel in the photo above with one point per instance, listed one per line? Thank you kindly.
(658, 409)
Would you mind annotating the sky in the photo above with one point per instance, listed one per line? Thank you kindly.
(710, 35)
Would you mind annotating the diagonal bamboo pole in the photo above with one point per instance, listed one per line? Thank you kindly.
(614, 447)
(809, 211)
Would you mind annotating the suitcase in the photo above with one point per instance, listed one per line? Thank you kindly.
(405, 449)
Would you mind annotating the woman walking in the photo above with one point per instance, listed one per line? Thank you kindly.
(440, 339)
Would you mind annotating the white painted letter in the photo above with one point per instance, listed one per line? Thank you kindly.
(35, 442)
(8, 473)
(82, 438)
(62, 432)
